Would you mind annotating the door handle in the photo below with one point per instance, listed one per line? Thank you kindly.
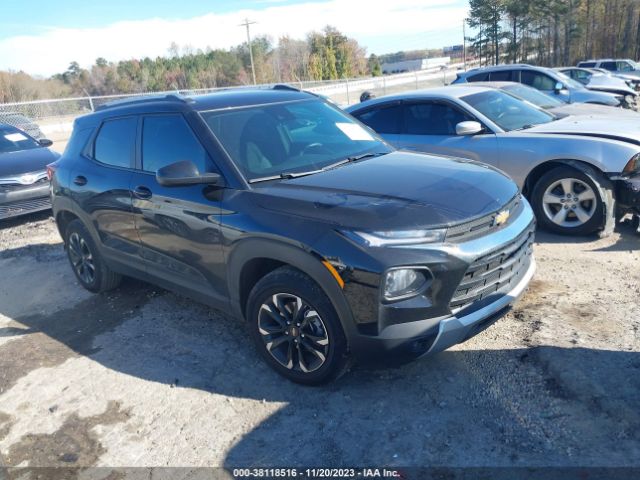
(80, 180)
(142, 192)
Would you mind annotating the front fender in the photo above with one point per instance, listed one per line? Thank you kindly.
(297, 256)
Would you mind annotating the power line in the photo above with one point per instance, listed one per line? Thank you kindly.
(253, 69)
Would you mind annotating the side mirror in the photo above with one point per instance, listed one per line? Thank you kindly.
(559, 87)
(185, 172)
(468, 128)
(45, 142)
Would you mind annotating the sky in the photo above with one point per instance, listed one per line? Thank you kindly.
(42, 37)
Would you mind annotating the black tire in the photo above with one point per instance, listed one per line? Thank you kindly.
(572, 225)
(78, 242)
(319, 321)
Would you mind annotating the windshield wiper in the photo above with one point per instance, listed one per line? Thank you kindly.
(354, 158)
(286, 175)
(282, 175)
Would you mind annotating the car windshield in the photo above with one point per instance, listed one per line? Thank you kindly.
(291, 139)
(13, 140)
(570, 82)
(507, 111)
(534, 96)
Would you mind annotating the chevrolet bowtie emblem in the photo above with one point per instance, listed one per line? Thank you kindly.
(502, 217)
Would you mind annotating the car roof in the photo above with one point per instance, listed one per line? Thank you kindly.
(450, 92)
(227, 98)
(504, 67)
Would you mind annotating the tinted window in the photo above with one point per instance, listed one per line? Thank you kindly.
(115, 142)
(507, 111)
(432, 119)
(478, 77)
(537, 80)
(168, 139)
(383, 119)
(501, 76)
(587, 64)
(611, 66)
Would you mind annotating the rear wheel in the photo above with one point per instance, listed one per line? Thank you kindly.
(86, 261)
(569, 202)
(295, 327)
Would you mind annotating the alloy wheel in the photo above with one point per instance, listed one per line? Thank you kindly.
(81, 258)
(569, 202)
(293, 333)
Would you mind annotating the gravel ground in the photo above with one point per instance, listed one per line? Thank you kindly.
(144, 377)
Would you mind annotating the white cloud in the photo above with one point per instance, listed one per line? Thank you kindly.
(372, 21)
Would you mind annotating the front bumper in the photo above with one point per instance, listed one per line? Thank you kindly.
(409, 337)
(24, 200)
(628, 193)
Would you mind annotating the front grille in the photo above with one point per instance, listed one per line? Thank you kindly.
(480, 226)
(497, 272)
(24, 206)
(18, 186)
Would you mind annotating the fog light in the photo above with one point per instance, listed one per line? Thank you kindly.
(403, 282)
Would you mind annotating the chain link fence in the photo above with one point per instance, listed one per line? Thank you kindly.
(54, 118)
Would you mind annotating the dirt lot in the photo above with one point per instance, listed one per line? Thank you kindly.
(143, 377)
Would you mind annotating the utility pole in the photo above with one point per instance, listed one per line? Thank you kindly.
(464, 43)
(246, 24)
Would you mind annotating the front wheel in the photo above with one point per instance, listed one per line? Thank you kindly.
(568, 202)
(295, 327)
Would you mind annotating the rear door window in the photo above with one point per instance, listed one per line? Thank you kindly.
(501, 76)
(611, 66)
(432, 118)
(115, 143)
(384, 119)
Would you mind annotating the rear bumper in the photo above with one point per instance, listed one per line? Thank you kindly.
(24, 201)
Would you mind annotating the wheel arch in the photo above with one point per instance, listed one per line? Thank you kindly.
(252, 259)
(536, 173)
(63, 219)
(600, 179)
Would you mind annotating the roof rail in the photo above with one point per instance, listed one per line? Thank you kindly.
(171, 97)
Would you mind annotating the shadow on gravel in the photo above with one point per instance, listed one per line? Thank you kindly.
(31, 217)
(528, 406)
(542, 405)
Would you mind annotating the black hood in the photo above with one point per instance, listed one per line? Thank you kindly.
(26, 161)
(399, 190)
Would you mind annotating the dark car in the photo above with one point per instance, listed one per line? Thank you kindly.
(21, 122)
(24, 186)
(277, 206)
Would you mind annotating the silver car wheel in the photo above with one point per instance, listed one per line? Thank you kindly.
(293, 333)
(569, 202)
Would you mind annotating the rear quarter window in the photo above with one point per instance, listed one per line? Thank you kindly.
(478, 77)
(115, 143)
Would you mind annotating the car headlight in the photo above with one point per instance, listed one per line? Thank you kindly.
(404, 282)
(632, 166)
(399, 237)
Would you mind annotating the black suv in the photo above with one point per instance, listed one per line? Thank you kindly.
(279, 207)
